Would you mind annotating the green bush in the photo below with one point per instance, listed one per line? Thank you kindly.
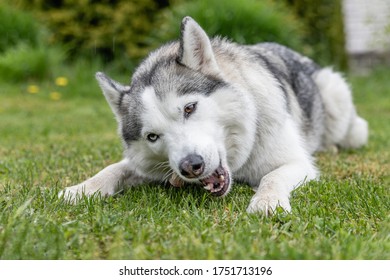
(325, 29)
(24, 52)
(16, 27)
(24, 62)
(111, 28)
(243, 21)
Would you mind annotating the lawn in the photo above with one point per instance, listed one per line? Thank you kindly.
(64, 133)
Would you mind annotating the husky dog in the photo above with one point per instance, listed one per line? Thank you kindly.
(209, 111)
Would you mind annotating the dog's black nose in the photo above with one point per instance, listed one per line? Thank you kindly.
(192, 166)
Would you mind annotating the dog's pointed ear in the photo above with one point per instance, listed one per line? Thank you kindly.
(195, 48)
(113, 91)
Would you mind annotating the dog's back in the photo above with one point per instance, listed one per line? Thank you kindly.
(328, 117)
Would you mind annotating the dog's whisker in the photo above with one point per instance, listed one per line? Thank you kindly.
(167, 175)
(161, 166)
(162, 163)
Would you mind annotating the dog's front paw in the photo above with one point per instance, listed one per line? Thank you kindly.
(72, 194)
(267, 201)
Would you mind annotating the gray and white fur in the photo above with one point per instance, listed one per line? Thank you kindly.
(209, 111)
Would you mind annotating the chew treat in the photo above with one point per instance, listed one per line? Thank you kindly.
(176, 181)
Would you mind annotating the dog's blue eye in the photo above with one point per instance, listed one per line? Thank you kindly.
(152, 137)
(189, 109)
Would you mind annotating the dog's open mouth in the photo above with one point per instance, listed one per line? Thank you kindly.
(218, 183)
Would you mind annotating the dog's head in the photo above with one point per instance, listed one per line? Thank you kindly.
(179, 116)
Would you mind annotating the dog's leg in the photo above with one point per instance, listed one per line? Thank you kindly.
(107, 182)
(275, 187)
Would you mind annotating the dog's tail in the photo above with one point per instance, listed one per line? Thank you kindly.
(343, 127)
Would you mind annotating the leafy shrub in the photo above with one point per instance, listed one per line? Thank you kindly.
(243, 21)
(24, 62)
(24, 53)
(325, 33)
(16, 27)
(112, 28)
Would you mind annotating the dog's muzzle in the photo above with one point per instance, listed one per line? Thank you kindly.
(193, 166)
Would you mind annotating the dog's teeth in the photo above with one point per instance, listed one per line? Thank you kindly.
(208, 187)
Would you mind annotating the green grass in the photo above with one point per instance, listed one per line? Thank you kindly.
(46, 145)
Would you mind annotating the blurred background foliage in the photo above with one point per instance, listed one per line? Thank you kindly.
(24, 52)
(109, 29)
(323, 20)
(16, 27)
(42, 33)
(245, 22)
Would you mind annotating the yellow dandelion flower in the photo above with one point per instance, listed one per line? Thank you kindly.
(54, 95)
(61, 81)
(33, 89)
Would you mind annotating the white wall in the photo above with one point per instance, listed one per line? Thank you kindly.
(367, 25)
